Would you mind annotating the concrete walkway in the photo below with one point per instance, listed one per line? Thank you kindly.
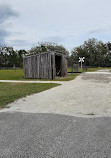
(17, 81)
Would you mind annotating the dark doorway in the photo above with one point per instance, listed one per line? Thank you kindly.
(58, 65)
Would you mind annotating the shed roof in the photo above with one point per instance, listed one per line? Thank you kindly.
(51, 52)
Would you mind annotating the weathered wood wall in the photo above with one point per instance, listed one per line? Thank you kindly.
(64, 66)
(42, 66)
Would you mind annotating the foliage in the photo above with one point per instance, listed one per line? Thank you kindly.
(43, 47)
(11, 58)
(9, 92)
(96, 53)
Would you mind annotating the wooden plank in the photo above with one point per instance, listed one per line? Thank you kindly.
(53, 65)
(64, 66)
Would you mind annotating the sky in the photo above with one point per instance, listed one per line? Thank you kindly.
(25, 23)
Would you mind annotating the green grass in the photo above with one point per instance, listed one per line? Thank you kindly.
(19, 75)
(9, 92)
(69, 77)
(98, 68)
(92, 69)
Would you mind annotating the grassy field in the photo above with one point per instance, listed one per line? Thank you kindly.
(98, 68)
(19, 75)
(92, 69)
(9, 92)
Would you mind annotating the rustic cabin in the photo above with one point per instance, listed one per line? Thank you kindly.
(45, 65)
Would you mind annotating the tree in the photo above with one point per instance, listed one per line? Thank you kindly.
(20, 55)
(108, 55)
(11, 58)
(43, 47)
(95, 53)
(109, 45)
(4, 55)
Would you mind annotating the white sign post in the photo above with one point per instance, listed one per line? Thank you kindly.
(81, 60)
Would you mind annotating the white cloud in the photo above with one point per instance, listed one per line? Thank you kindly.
(6, 13)
(68, 22)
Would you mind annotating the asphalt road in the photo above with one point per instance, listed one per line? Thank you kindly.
(25, 135)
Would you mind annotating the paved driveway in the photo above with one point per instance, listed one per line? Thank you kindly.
(35, 127)
(25, 135)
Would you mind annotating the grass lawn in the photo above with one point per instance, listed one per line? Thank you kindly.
(19, 75)
(9, 92)
(69, 77)
(98, 68)
(92, 69)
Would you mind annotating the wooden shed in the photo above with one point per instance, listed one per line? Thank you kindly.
(45, 65)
